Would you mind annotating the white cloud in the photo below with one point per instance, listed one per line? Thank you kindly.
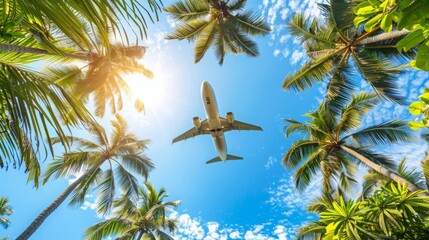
(171, 22)
(235, 235)
(281, 233)
(285, 52)
(194, 228)
(277, 14)
(297, 56)
(276, 52)
(271, 161)
(88, 205)
(189, 228)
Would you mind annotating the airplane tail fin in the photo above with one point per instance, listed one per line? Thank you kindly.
(228, 158)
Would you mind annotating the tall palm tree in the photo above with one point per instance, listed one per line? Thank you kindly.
(332, 145)
(5, 210)
(218, 23)
(144, 218)
(34, 102)
(338, 49)
(100, 164)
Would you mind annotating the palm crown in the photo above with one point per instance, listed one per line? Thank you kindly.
(145, 217)
(5, 210)
(218, 23)
(338, 49)
(332, 146)
(35, 100)
(121, 151)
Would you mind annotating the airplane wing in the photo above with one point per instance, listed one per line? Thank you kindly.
(193, 132)
(237, 125)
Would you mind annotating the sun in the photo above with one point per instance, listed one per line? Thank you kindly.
(156, 93)
(150, 91)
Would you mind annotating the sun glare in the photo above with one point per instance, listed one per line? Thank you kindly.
(150, 91)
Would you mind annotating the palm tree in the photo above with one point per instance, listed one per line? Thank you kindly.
(218, 23)
(5, 210)
(34, 101)
(101, 165)
(332, 146)
(144, 218)
(392, 212)
(337, 50)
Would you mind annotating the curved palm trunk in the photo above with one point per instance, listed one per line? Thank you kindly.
(20, 49)
(139, 237)
(55, 204)
(380, 169)
(383, 37)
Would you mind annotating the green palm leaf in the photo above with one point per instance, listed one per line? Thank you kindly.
(310, 74)
(384, 133)
(300, 150)
(188, 10)
(189, 30)
(251, 23)
(108, 227)
(222, 24)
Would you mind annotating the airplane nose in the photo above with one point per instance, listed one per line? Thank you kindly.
(205, 86)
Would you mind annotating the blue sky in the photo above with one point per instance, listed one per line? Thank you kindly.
(252, 199)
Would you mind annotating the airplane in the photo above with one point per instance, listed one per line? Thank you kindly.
(215, 125)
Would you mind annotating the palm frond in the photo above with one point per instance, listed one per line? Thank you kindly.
(305, 173)
(317, 228)
(127, 182)
(188, 10)
(205, 40)
(221, 45)
(293, 126)
(161, 235)
(106, 192)
(244, 43)
(251, 23)
(311, 73)
(305, 28)
(112, 226)
(236, 5)
(138, 163)
(425, 166)
(384, 133)
(298, 152)
(411, 175)
(352, 113)
(80, 192)
(342, 15)
(189, 30)
(379, 75)
(340, 88)
(321, 203)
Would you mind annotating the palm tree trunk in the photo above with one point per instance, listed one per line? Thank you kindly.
(139, 237)
(384, 37)
(56, 203)
(21, 49)
(380, 169)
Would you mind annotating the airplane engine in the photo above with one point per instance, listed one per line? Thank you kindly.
(230, 117)
(197, 122)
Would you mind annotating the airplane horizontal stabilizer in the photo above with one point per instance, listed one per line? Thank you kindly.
(232, 157)
(228, 158)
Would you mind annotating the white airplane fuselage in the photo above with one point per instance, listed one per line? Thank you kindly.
(215, 126)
